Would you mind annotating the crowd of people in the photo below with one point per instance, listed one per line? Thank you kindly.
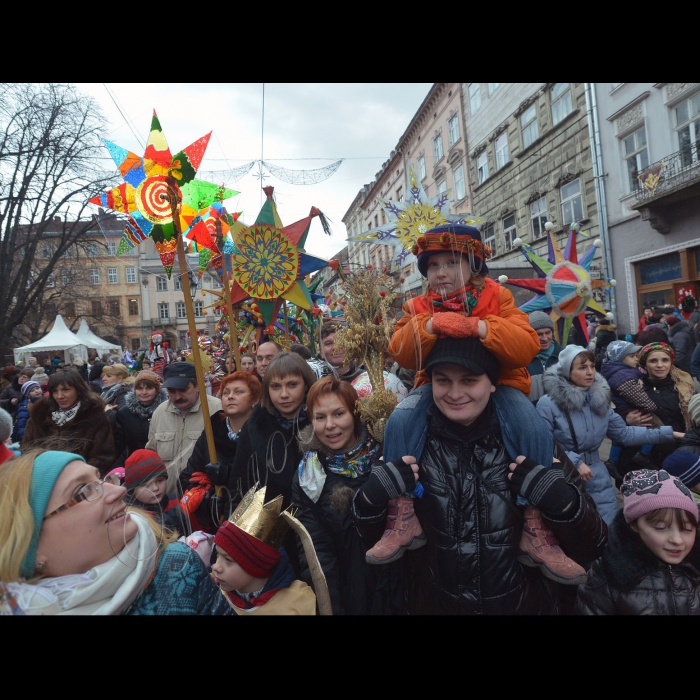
(116, 498)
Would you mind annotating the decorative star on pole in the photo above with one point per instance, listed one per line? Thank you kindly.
(564, 287)
(267, 261)
(410, 219)
(152, 182)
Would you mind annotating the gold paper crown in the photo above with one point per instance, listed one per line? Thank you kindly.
(259, 519)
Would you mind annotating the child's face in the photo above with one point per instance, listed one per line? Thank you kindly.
(229, 575)
(152, 491)
(666, 540)
(631, 360)
(36, 393)
(447, 272)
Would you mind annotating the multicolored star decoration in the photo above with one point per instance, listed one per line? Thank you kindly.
(410, 219)
(564, 287)
(152, 183)
(268, 263)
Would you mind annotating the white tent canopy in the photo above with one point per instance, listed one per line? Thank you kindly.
(58, 338)
(90, 340)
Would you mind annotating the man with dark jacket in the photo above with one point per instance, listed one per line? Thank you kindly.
(470, 563)
(548, 356)
(682, 340)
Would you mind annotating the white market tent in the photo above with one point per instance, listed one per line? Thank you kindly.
(90, 340)
(59, 338)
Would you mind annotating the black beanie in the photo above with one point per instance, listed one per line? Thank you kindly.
(469, 353)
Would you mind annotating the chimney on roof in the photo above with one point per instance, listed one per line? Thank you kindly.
(56, 218)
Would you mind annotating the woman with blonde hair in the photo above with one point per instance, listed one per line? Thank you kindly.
(113, 388)
(69, 546)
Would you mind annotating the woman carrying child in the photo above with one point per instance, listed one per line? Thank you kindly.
(577, 409)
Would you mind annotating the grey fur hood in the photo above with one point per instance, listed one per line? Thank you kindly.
(571, 398)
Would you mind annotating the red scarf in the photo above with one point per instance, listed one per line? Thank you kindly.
(488, 301)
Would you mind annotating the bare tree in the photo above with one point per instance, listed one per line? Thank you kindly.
(51, 163)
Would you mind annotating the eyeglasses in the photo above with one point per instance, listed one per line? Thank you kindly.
(89, 492)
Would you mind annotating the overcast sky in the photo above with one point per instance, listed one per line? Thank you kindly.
(306, 126)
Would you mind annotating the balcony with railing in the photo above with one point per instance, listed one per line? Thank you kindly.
(672, 179)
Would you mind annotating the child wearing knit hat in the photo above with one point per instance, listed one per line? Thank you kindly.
(651, 565)
(146, 479)
(31, 393)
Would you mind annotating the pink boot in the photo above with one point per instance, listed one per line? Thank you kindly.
(403, 531)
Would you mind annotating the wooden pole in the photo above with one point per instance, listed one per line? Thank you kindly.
(233, 333)
(286, 320)
(184, 277)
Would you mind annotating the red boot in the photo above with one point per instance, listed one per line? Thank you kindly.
(403, 531)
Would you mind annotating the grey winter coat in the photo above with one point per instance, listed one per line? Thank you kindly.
(682, 340)
(593, 420)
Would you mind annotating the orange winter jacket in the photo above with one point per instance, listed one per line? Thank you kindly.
(511, 339)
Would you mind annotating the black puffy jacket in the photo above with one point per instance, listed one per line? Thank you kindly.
(629, 580)
(470, 563)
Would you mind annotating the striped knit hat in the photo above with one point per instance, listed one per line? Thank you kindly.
(141, 466)
(255, 557)
(685, 466)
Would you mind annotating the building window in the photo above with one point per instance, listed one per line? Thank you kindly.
(460, 187)
(135, 344)
(112, 249)
(178, 283)
(492, 88)
(94, 275)
(561, 102)
(571, 201)
(482, 167)
(112, 277)
(454, 129)
(528, 124)
(50, 282)
(130, 275)
(538, 214)
(181, 310)
(69, 310)
(437, 147)
(133, 307)
(67, 253)
(93, 250)
(488, 237)
(217, 311)
(164, 311)
(217, 281)
(442, 187)
(376, 221)
(183, 339)
(67, 276)
(636, 156)
(474, 98)
(509, 234)
(199, 308)
(688, 128)
(162, 284)
(501, 150)
(96, 308)
(115, 307)
(421, 167)
(46, 250)
(399, 194)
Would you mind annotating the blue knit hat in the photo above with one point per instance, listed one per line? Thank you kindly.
(45, 472)
(685, 466)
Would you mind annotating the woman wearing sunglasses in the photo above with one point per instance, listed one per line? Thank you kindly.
(69, 545)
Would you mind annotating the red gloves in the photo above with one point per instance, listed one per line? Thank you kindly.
(450, 324)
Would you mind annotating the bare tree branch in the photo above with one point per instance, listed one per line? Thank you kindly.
(50, 166)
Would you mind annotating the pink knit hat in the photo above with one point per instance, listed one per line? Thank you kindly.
(645, 490)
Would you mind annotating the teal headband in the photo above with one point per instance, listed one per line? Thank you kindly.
(46, 470)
